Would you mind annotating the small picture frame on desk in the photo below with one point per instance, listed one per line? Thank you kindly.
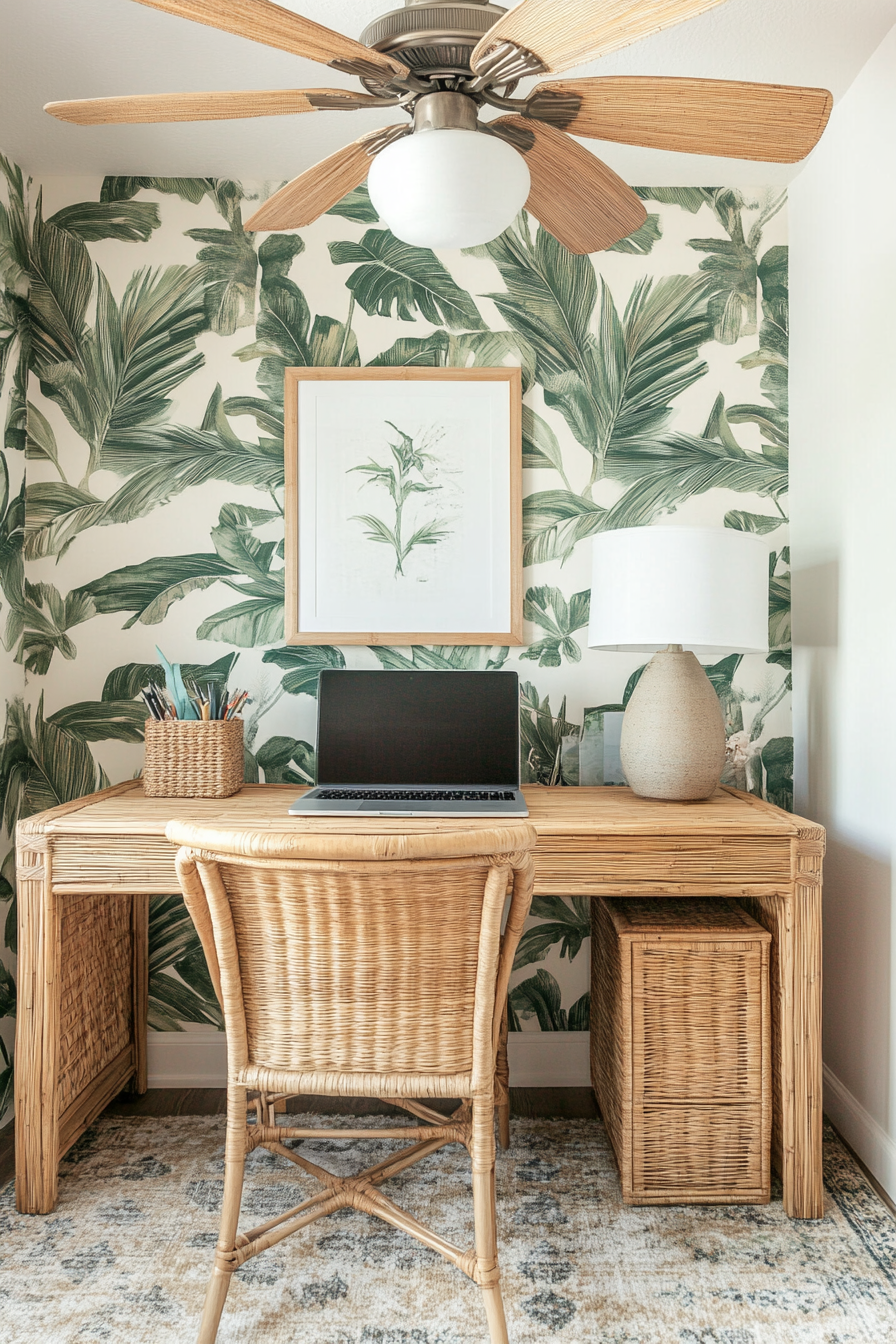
(403, 506)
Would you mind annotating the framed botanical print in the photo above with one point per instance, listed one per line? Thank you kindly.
(403, 506)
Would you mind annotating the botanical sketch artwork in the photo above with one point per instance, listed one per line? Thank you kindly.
(144, 335)
(399, 519)
(411, 475)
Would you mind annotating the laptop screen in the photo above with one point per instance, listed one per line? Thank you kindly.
(420, 728)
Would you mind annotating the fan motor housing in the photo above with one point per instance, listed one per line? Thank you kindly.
(435, 41)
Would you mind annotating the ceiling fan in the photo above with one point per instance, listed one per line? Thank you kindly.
(442, 61)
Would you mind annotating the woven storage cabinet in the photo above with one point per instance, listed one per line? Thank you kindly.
(191, 758)
(681, 1048)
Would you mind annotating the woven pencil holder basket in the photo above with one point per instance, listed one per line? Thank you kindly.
(193, 759)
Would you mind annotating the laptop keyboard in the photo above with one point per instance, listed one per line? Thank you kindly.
(418, 795)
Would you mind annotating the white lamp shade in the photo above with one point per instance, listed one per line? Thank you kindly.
(448, 188)
(703, 588)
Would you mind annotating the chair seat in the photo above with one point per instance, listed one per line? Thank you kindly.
(331, 1084)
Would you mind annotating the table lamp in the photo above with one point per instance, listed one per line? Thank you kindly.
(675, 592)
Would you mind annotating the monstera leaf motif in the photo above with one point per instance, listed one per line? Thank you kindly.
(549, 609)
(46, 619)
(286, 337)
(565, 922)
(228, 255)
(303, 666)
(191, 189)
(231, 265)
(393, 276)
(188, 995)
(126, 682)
(541, 737)
(641, 242)
(258, 619)
(777, 762)
(357, 206)
(539, 997)
(731, 266)
(285, 760)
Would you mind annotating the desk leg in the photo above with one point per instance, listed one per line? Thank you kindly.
(794, 921)
(80, 1030)
(139, 990)
(37, 1032)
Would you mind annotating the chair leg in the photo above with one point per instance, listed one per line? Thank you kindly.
(482, 1152)
(494, 1314)
(502, 1086)
(234, 1166)
(215, 1297)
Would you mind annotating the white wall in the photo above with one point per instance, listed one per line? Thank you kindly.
(843, 502)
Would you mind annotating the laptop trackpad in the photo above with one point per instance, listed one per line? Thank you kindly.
(384, 809)
(416, 808)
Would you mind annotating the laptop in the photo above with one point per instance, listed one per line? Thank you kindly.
(416, 744)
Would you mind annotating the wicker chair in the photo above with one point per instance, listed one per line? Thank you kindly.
(359, 965)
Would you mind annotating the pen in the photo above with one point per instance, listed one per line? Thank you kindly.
(215, 704)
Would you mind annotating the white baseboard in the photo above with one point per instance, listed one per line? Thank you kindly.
(861, 1131)
(186, 1058)
(537, 1059)
(549, 1058)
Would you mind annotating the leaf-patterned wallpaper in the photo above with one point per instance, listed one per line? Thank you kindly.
(143, 338)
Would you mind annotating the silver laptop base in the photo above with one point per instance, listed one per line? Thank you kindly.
(312, 804)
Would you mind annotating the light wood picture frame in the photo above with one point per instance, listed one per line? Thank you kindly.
(403, 506)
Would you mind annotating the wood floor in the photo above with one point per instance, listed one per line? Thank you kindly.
(547, 1102)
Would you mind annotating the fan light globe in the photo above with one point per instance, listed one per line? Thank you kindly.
(448, 188)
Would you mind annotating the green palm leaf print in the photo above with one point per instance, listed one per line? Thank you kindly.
(392, 275)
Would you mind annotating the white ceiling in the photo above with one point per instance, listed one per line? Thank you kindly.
(57, 49)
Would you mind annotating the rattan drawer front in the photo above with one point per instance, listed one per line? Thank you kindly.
(145, 863)
(123, 862)
(697, 1154)
(723, 860)
(681, 1048)
(696, 1022)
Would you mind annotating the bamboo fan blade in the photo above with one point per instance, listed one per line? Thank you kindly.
(308, 196)
(574, 196)
(262, 21)
(538, 35)
(774, 123)
(160, 107)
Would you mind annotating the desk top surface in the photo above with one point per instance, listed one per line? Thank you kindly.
(124, 810)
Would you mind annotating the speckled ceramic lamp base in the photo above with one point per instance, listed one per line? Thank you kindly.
(673, 735)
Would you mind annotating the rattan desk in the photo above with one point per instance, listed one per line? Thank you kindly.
(86, 871)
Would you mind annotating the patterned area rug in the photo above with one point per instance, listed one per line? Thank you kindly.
(126, 1255)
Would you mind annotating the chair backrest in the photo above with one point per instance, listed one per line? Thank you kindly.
(359, 954)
